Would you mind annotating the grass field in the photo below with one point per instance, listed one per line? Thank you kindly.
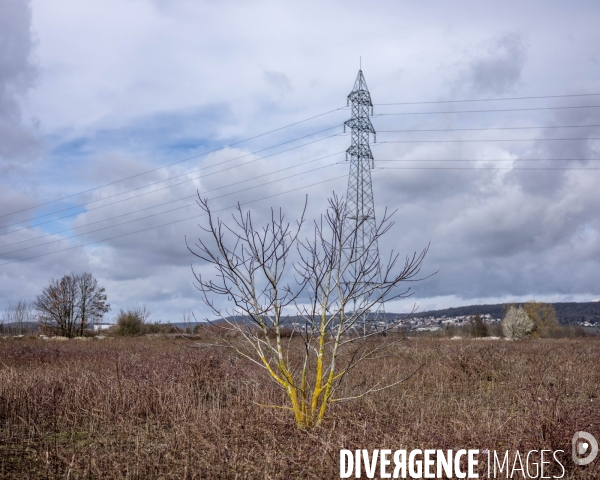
(162, 408)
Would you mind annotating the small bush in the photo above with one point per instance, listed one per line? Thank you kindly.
(478, 327)
(160, 329)
(517, 324)
(545, 323)
(573, 331)
(132, 322)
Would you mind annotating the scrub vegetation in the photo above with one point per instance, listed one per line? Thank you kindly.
(168, 407)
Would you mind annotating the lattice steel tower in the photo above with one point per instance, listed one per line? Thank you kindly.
(359, 198)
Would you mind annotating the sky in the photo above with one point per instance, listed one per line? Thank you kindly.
(114, 115)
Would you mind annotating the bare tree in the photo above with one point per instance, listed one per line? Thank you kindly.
(70, 305)
(516, 323)
(477, 327)
(252, 267)
(17, 315)
(56, 307)
(91, 302)
(187, 319)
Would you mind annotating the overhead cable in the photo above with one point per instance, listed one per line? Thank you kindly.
(187, 197)
(490, 140)
(491, 99)
(166, 211)
(487, 110)
(170, 178)
(173, 222)
(482, 129)
(173, 163)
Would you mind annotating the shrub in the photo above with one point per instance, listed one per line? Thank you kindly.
(517, 324)
(478, 327)
(544, 319)
(132, 322)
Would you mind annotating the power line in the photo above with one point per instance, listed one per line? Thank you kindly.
(172, 185)
(484, 168)
(252, 153)
(166, 211)
(491, 99)
(271, 173)
(187, 197)
(174, 163)
(281, 128)
(490, 140)
(257, 136)
(490, 110)
(488, 128)
(256, 186)
(170, 223)
(181, 175)
(497, 160)
(302, 121)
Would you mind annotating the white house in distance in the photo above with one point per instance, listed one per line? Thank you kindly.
(102, 326)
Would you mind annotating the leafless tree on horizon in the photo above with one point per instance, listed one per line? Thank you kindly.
(69, 306)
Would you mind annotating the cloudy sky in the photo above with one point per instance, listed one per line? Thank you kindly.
(97, 96)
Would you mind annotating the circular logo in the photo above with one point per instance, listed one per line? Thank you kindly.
(584, 444)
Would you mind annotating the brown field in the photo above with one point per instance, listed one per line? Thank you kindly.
(158, 408)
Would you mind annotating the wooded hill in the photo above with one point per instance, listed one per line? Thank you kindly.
(567, 313)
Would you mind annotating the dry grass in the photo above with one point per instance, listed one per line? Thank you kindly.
(156, 408)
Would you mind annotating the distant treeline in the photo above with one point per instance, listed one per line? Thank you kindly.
(567, 313)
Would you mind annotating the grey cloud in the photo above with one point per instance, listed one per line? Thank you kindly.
(279, 81)
(18, 142)
(17, 74)
(578, 153)
(499, 234)
(498, 65)
(503, 241)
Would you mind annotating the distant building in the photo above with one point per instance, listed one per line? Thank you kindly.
(102, 326)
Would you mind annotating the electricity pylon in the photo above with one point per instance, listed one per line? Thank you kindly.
(360, 206)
